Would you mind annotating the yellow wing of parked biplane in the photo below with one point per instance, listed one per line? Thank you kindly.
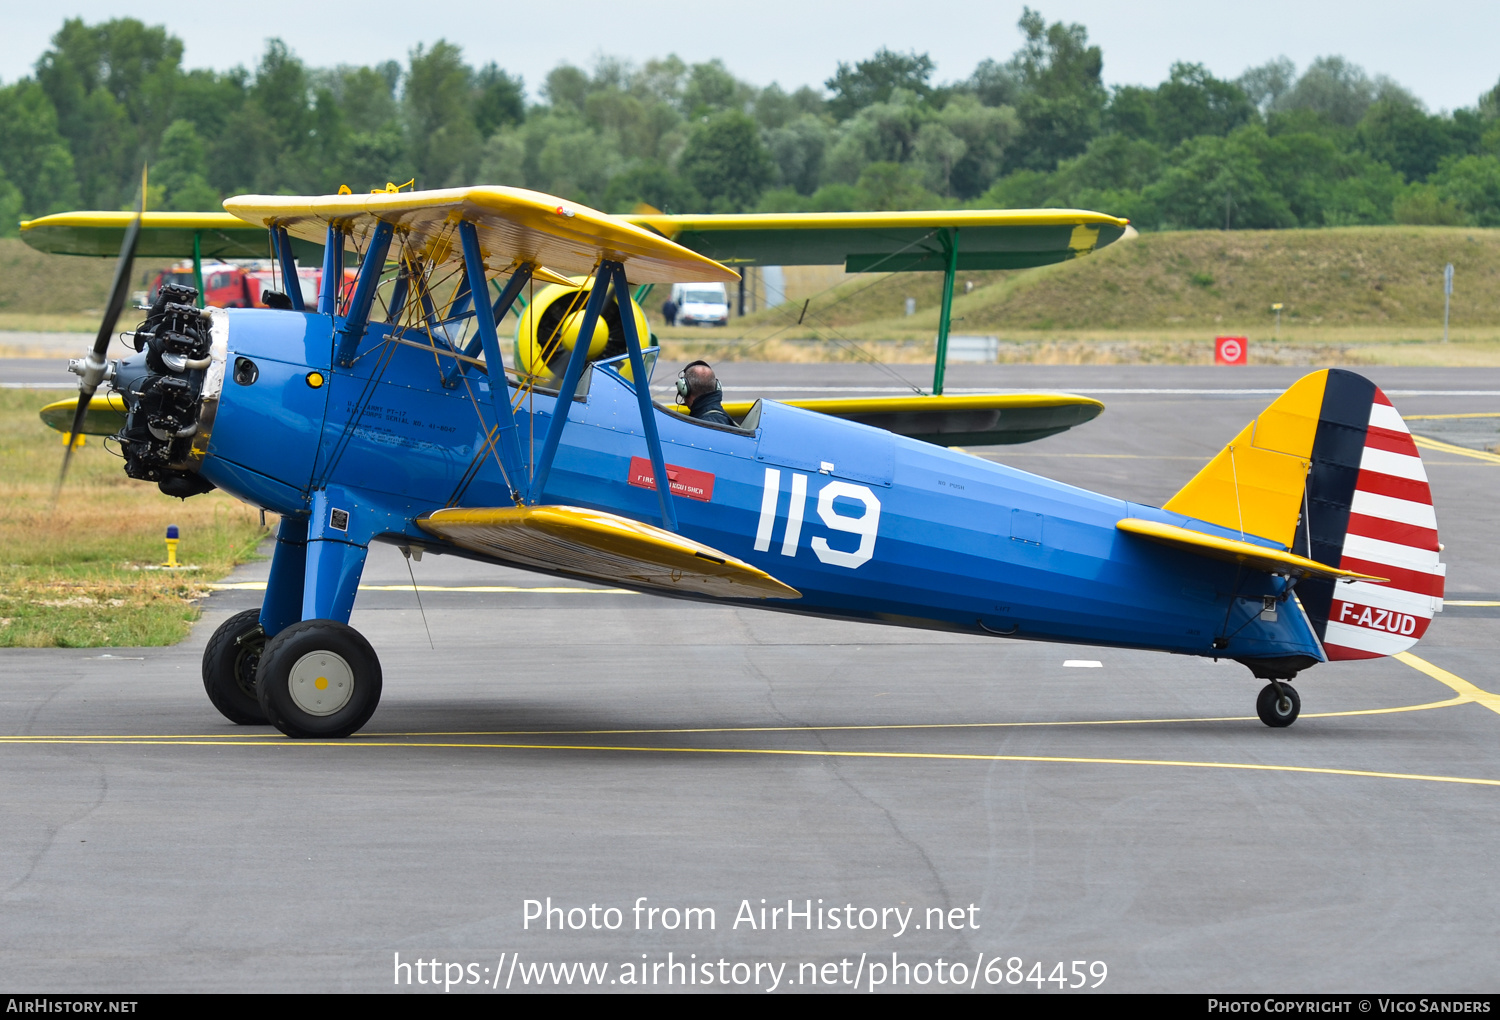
(894, 242)
(565, 239)
(944, 240)
(105, 415)
(163, 235)
(974, 419)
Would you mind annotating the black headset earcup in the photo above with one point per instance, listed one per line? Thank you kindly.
(682, 386)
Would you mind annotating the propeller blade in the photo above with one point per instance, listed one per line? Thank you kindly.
(91, 369)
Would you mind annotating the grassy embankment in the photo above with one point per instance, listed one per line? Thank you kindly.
(1361, 295)
(58, 293)
(1357, 295)
(73, 573)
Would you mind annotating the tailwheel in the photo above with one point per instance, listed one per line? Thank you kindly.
(1278, 704)
(229, 665)
(318, 678)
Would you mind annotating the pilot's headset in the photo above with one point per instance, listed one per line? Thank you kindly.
(682, 385)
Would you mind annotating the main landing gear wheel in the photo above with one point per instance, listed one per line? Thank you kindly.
(229, 666)
(318, 678)
(1278, 707)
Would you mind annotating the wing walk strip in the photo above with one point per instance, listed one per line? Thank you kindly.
(1465, 693)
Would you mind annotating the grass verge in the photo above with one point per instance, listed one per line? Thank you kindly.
(59, 322)
(75, 573)
(1099, 347)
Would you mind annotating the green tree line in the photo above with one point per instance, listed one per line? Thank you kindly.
(1276, 147)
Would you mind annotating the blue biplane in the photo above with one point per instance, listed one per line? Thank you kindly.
(1310, 537)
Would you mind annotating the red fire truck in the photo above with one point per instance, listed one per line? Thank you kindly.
(232, 285)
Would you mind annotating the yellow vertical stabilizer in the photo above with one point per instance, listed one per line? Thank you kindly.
(1255, 484)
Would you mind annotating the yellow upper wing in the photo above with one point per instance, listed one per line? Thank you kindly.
(514, 226)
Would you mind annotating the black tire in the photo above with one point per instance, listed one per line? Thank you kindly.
(229, 667)
(1278, 710)
(318, 678)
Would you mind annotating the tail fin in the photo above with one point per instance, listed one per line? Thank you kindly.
(1330, 472)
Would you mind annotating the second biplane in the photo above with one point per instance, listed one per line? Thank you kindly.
(1310, 537)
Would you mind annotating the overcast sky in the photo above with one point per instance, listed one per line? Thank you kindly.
(1446, 54)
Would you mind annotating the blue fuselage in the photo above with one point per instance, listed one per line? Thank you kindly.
(865, 524)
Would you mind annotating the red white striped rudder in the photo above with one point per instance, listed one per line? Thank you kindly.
(1369, 510)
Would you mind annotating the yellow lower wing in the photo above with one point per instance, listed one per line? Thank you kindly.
(603, 547)
(1258, 557)
(105, 416)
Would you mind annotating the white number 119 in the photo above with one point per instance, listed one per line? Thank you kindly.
(865, 525)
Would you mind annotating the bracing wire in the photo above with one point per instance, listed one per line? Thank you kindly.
(1234, 472)
(418, 593)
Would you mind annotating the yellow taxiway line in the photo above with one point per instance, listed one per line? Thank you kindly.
(251, 738)
(1465, 692)
(1439, 446)
(809, 753)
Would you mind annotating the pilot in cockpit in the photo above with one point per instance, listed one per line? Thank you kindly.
(699, 389)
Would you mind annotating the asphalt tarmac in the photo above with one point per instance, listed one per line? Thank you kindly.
(557, 739)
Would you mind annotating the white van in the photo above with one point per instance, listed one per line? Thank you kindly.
(701, 304)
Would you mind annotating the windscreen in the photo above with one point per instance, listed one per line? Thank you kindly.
(702, 296)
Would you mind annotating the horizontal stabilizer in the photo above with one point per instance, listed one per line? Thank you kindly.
(603, 547)
(1258, 557)
(105, 416)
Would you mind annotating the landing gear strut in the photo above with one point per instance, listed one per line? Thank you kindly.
(1278, 704)
(318, 678)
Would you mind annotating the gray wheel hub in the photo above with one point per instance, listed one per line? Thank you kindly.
(321, 683)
